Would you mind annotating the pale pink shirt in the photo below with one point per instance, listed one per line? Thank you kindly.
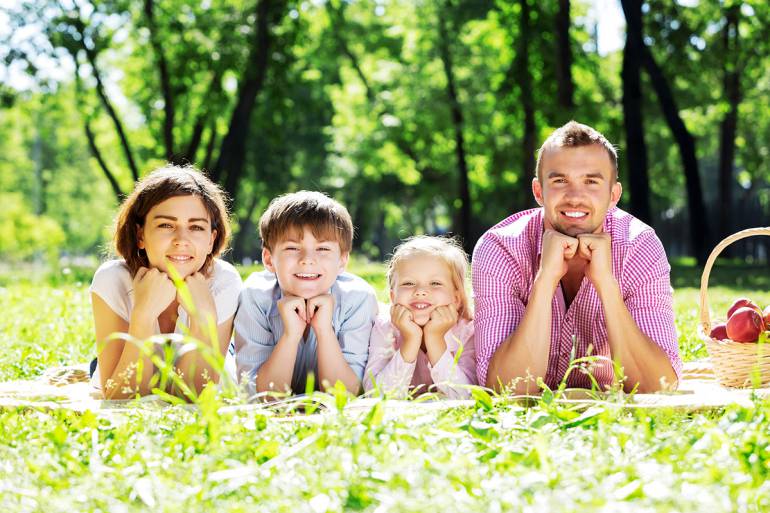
(387, 368)
(505, 262)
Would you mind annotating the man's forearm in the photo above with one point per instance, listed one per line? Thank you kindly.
(277, 372)
(644, 362)
(524, 354)
(332, 365)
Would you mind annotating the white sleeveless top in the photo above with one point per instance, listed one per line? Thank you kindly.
(113, 284)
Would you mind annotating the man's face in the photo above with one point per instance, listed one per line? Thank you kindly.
(577, 189)
(305, 266)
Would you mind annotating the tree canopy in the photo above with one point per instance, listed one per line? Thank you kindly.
(420, 116)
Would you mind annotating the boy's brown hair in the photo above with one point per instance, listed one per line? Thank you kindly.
(164, 183)
(573, 135)
(324, 216)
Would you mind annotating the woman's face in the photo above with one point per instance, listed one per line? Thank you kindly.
(177, 232)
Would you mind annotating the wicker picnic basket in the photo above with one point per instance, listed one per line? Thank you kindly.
(736, 364)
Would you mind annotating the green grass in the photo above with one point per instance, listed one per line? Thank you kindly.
(480, 458)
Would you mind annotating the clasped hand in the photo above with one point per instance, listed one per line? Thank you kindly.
(154, 291)
(298, 313)
(442, 318)
(559, 249)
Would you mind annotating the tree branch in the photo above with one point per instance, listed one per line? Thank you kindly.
(165, 81)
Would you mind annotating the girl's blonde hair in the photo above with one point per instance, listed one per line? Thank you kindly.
(446, 249)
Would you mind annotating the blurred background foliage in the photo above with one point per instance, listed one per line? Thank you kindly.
(421, 116)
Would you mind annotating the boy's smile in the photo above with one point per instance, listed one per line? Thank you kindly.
(305, 266)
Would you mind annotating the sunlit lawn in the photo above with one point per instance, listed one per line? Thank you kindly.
(483, 458)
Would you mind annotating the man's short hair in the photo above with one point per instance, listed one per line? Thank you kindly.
(574, 135)
(290, 213)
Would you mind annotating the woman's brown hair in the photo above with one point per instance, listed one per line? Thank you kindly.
(164, 183)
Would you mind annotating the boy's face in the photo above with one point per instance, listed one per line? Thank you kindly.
(305, 266)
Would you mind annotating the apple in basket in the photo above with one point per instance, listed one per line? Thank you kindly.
(766, 315)
(742, 303)
(745, 325)
(719, 331)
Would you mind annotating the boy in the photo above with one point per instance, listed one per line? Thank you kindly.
(304, 313)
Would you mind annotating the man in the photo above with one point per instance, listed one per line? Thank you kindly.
(575, 278)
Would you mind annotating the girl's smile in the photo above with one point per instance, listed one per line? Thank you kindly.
(423, 283)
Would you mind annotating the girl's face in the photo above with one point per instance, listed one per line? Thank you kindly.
(177, 231)
(423, 282)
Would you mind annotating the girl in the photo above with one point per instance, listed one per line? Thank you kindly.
(175, 216)
(430, 320)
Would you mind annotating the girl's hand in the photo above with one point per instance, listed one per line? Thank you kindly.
(402, 319)
(442, 318)
(411, 332)
(153, 292)
(199, 288)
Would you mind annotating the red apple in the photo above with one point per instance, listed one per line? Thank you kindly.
(766, 315)
(745, 325)
(719, 332)
(741, 303)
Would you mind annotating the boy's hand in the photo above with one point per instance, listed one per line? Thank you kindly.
(294, 316)
(203, 301)
(442, 318)
(153, 292)
(319, 312)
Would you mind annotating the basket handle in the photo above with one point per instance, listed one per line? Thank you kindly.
(705, 320)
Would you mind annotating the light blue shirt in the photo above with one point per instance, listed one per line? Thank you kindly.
(258, 326)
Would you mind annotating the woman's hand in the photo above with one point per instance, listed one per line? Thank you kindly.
(203, 301)
(153, 292)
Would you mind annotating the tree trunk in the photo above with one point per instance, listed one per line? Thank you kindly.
(463, 221)
(565, 85)
(119, 194)
(524, 79)
(165, 81)
(699, 231)
(232, 153)
(729, 125)
(100, 91)
(116, 189)
(636, 149)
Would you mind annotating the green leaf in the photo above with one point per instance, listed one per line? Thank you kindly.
(482, 398)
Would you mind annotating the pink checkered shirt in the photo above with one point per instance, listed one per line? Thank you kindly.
(505, 262)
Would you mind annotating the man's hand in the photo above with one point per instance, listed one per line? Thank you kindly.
(319, 313)
(442, 318)
(153, 292)
(558, 249)
(293, 312)
(596, 248)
